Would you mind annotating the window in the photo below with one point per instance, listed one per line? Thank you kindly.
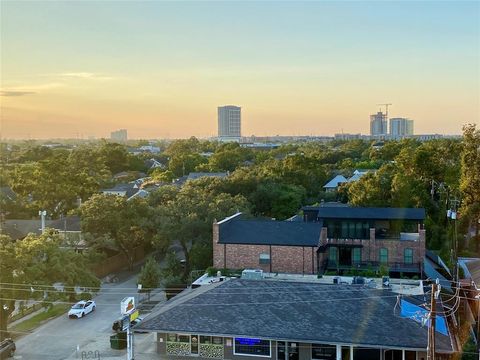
(356, 255)
(178, 338)
(332, 254)
(408, 256)
(338, 229)
(344, 229)
(264, 259)
(215, 340)
(324, 352)
(252, 347)
(205, 339)
(384, 255)
(351, 230)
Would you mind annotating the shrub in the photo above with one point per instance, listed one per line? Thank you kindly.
(211, 271)
(84, 296)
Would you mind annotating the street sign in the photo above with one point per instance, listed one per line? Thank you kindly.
(134, 315)
(127, 306)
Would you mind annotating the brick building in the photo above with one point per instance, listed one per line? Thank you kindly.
(326, 239)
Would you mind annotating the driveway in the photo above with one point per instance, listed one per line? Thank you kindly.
(64, 338)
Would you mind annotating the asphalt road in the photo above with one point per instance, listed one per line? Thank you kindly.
(60, 338)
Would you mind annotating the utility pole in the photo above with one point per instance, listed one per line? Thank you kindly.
(431, 328)
(42, 214)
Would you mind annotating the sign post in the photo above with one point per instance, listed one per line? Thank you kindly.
(127, 308)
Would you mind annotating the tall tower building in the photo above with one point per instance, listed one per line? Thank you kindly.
(401, 127)
(229, 122)
(378, 124)
(119, 135)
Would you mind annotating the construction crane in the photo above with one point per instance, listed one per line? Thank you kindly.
(386, 109)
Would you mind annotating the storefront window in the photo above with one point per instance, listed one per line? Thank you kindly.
(324, 352)
(252, 347)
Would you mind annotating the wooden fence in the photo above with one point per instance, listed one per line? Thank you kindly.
(117, 262)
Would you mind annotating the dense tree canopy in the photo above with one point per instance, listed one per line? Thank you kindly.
(30, 267)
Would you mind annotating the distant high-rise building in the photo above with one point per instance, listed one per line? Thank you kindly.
(378, 124)
(229, 122)
(401, 127)
(119, 135)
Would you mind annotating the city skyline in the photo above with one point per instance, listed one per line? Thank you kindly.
(160, 69)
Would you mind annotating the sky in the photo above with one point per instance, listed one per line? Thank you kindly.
(82, 69)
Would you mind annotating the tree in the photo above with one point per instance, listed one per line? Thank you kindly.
(186, 215)
(30, 267)
(277, 201)
(372, 189)
(149, 276)
(116, 223)
(115, 155)
(470, 180)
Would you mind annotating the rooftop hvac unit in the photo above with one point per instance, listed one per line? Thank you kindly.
(252, 274)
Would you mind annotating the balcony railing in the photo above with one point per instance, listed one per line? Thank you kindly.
(374, 265)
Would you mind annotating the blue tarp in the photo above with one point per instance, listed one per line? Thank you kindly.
(419, 314)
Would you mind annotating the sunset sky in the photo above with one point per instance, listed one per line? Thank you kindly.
(160, 69)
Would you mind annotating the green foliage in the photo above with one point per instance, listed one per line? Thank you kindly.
(150, 275)
(85, 296)
(469, 351)
(116, 157)
(116, 223)
(173, 266)
(186, 215)
(277, 200)
(383, 270)
(39, 261)
(211, 271)
(470, 180)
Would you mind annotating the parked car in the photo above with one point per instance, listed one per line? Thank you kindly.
(81, 308)
(7, 349)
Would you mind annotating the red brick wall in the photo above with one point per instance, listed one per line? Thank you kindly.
(298, 260)
(283, 259)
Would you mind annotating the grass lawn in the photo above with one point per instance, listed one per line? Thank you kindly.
(37, 320)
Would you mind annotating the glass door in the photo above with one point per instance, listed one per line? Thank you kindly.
(194, 344)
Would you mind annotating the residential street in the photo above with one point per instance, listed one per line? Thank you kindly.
(60, 338)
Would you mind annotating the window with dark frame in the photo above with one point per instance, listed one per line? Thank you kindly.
(408, 256)
(178, 338)
(324, 352)
(356, 255)
(383, 256)
(252, 347)
(264, 258)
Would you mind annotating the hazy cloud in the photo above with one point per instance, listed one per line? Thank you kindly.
(16, 93)
(85, 75)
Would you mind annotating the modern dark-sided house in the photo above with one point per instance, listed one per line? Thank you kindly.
(333, 238)
(281, 320)
(369, 238)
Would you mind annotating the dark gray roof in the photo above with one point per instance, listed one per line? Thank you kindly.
(7, 193)
(296, 311)
(69, 223)
(290, 233)
(198, 175)
(19, 228)
(129, 188)
(367, 213)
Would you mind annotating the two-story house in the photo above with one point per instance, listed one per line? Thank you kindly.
(369, 238)
(329, 238)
